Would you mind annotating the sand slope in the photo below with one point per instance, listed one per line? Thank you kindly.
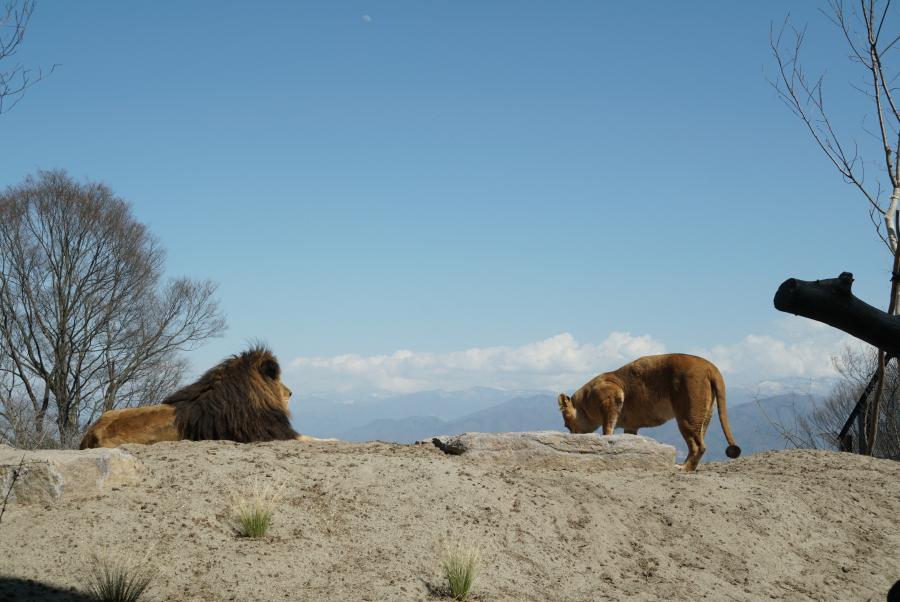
(366, 521)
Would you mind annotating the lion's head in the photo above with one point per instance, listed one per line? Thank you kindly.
(241, 399)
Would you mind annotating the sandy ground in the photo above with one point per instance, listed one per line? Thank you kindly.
(367, 521)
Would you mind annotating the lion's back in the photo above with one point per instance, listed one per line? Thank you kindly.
(145, 424)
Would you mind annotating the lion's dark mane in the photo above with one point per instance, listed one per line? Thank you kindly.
(238, 400)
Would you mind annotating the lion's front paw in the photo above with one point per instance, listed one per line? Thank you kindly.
(308, 438)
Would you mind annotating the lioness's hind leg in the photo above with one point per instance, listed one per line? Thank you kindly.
(709, 413)
(696, 448)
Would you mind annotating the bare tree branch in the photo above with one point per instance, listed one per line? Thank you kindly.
(15, 80)
(83, 315)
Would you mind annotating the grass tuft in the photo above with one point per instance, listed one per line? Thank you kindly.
(461, 566)
(254, 514)
(117, 579)
(254, 521)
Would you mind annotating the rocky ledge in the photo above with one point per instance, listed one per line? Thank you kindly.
(47, 476)
(551, 447)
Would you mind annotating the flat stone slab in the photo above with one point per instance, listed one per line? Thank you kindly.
(47, 476)
(557, 448)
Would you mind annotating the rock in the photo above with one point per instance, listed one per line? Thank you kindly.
(51, 475)
(556, 448)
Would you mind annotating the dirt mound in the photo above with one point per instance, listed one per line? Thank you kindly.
(367, 521)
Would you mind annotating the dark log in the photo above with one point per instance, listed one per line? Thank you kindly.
(832, 302)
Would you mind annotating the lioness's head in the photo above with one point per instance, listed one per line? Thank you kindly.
(589, 407)
(574, 420)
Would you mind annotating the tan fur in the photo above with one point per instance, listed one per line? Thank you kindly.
(148, 424)
(241, 399)
(648, 392)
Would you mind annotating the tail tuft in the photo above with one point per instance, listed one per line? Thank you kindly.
(733, 451)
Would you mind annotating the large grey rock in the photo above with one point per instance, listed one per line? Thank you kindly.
(556, 448)
(47, 476)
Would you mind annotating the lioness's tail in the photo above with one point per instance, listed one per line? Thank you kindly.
(718, 389)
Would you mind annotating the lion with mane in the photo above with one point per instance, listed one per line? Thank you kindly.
(241, 399)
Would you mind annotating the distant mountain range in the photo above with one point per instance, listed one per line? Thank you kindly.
(400, 418)
(529, 413)
(332, 415)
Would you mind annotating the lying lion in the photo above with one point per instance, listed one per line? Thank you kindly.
(241, 399)
(648, 392)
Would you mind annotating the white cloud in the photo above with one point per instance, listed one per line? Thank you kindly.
(557, 363)
(367, 18)
(799, 350)
(796, 355)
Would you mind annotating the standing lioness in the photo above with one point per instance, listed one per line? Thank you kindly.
(648, 392)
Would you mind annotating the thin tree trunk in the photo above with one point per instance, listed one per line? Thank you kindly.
(41, 414)
(875, 406)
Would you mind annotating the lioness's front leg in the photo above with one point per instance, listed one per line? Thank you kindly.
(609, 423)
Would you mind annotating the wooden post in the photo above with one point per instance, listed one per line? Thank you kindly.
(845, 443)
(863, 444)
(858, 414)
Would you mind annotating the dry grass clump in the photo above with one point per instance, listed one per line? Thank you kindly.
(253, 514)
(117, 579)
(461, 564)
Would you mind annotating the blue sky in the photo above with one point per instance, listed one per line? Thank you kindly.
(507, 179)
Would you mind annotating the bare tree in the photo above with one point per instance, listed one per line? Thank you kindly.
(866, 27)
(15, 79)
(16, 414)
(85, 323)
(819, 429)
